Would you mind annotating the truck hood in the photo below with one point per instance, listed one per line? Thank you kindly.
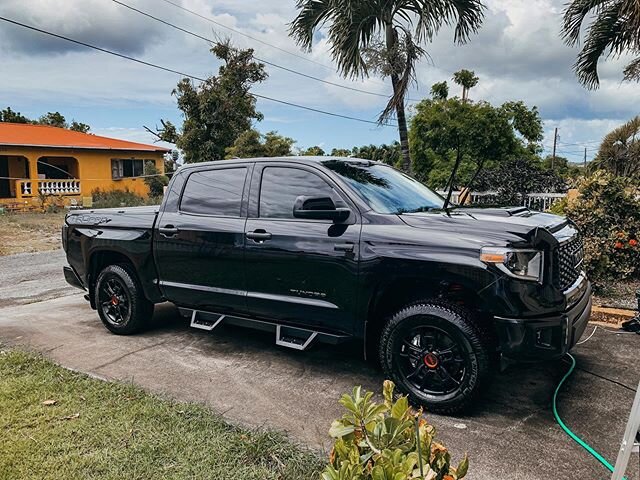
(499, 226)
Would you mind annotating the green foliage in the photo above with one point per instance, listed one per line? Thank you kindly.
(340, 152)
(608, 215)
(440, 91)
(250, 145)
(610, 28)
(477, 133)
(387, 441)
(619, 152)
(467, 79)
(315, 151)
(217, 111)
(514, 178)
(120, 198)
(155, 183)
(52, 119)
(389, 154)
(562, 167)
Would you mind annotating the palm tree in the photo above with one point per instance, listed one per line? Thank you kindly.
(467, 80)
(384, 36)
(614, 31)
(619, 152)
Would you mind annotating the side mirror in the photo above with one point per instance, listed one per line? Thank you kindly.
(319, 208)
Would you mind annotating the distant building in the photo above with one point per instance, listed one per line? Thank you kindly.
(37, 159)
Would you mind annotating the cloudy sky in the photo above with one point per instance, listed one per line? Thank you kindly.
(517, 54)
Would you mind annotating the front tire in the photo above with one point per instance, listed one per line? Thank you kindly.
(436, 354)
(120, 301)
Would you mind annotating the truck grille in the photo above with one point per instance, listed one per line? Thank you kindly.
(568, 262)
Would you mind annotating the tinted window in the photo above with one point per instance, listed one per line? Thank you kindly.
(281, 186)
(384, 189)
(214, 192)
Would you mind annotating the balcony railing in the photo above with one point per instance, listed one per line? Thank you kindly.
(32, 188)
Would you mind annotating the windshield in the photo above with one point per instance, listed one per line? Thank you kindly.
(384, 189)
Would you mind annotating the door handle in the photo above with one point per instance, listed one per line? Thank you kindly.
(168, 231)
(343, 247)
(258, 236)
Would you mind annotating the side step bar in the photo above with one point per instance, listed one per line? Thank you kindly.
(286, 336)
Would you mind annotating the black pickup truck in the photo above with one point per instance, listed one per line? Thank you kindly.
(334, 249)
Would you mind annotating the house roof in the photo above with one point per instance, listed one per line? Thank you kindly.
(27, 135)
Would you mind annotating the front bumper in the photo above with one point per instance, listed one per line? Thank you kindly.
(543, 338)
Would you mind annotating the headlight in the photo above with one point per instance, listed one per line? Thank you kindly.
(523, 264)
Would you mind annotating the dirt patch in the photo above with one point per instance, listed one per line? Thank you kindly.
(30, 232)
(618, 294)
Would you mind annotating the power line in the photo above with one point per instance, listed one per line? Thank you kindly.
(275, 65)
(193, 77)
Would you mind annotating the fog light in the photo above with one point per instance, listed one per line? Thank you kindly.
(544, 337)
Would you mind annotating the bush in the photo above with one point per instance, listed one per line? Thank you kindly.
(608, 214)
(380, 442)
(117, 198)
(155, 183)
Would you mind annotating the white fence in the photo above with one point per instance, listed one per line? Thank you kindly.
(534, 201)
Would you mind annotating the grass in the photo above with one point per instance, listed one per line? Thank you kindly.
(30, 232)
(103, 430)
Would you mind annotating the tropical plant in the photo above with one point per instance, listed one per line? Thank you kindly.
(340, 152)
(250, 145)
(217, 110)
(440, 91)
(607, 211)
(387, 441)
(619, 152)
(467, 80)
(385, 153)
(154, 180)
(314, 151)
(385, 37)
(465, 137)
(51, 119)
(613, 32)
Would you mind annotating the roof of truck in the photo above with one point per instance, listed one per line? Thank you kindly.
(292, 159)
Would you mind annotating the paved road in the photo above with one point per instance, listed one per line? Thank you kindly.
(243, 375)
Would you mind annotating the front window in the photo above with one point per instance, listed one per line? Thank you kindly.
(385, 189)
(126, 168)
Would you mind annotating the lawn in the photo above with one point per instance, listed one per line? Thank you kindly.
(30, 232)
(58, 424)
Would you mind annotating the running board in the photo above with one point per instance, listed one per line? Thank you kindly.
(286, 336)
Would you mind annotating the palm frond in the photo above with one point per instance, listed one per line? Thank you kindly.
(574, 16)
(632, 71)
(313, 14)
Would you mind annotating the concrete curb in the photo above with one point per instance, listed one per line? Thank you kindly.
(613, 316)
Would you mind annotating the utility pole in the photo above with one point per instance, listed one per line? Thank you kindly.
(585, 157)
(555, 142)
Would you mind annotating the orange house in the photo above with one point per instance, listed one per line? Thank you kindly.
(38, 160)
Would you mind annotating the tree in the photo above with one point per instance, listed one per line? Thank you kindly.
(389, 154)
(440, 91)
(315, 151)
(619, 152)
(9, 116)
(613, 31)
(465, 137)
(52, 119)
(154, 180)
(340, 152)
(384, 37)
(467, 80)
(562, 167)
(250, 145)
(217, 110)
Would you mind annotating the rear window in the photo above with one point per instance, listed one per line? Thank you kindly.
(214, 192)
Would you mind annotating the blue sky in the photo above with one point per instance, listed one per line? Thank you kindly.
(517, 54)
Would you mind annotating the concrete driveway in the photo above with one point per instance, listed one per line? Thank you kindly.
(244, 376)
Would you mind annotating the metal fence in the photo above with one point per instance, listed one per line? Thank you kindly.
(534, 201)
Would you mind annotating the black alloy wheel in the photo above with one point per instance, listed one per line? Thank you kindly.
(120, 300)
(438, 354)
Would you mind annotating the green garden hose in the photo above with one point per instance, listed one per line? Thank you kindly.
(576, 438)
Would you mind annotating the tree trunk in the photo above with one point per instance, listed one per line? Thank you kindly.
(391, 39)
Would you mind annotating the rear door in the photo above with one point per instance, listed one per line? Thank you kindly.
(300, 271)
(200, 240)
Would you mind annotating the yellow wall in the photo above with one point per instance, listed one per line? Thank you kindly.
(94, 167)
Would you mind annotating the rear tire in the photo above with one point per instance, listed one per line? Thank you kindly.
(437, 354)
(120, 301)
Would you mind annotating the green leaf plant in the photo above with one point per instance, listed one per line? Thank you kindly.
(387, 441)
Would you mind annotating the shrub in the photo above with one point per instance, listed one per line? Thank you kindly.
(380, 442)
(608, 214)
(155, 183)
(116, 198)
